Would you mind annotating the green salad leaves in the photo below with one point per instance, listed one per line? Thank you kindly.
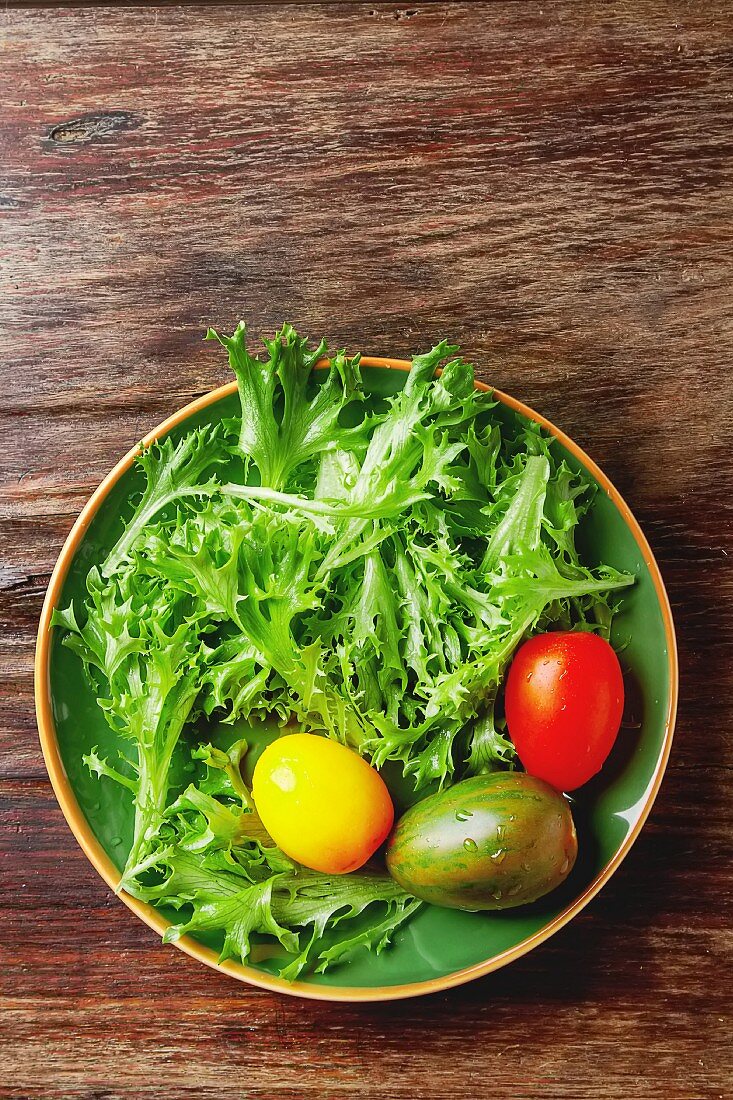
(363, 568)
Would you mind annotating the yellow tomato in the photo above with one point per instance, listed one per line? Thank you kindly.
(321, 803)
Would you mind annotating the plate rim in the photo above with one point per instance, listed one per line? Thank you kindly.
(241, 971)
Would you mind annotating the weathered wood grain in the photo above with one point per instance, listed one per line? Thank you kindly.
(549, 184)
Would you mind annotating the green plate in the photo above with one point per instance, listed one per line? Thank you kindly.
(438, 947)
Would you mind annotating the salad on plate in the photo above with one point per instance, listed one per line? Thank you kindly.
(391, 590)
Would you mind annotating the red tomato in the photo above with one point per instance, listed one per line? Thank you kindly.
(564, 700)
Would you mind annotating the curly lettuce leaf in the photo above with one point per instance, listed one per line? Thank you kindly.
(147, 682)
(283, 423)
(173, 471)
(305, 911)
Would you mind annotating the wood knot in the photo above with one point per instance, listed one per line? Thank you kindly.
(394, 13)
(89, 128)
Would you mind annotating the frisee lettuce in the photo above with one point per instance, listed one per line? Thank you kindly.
(365, 570)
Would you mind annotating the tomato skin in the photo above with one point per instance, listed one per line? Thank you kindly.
(321, 803)
(564, 702)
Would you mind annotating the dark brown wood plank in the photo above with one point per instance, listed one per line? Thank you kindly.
(552, 186)
(405, 12)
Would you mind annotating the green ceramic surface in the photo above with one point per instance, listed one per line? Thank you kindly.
(437, 942)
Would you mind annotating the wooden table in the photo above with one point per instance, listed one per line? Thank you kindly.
(551, 184)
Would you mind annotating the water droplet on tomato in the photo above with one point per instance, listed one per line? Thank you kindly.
(470, 845)
(499, 856)
(463, 815)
